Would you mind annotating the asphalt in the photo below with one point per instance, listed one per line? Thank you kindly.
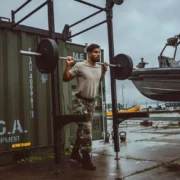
(148, 154)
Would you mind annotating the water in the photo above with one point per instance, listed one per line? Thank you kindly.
(174, 114)
(158, 120)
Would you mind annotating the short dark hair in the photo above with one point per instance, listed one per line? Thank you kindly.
(91, 47)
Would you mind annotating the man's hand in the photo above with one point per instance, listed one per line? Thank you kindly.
(104, 69)
(70, 60)
(67, 75)
(104, 66)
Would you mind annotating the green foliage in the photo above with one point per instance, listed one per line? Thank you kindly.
(37, 158)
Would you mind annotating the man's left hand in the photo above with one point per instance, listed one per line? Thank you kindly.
(104, 66)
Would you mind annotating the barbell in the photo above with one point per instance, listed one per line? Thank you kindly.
(47, 56)
(29, 53)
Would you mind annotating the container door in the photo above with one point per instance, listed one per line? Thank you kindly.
(78, 52)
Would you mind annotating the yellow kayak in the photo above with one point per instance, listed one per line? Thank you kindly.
(133, 109)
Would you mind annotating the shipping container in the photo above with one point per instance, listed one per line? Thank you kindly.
(26, 123)
(25, 96)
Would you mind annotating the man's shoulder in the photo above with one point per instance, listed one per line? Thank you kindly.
(85, 63)
(80, 63)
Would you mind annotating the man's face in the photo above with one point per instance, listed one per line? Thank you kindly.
(95, 55)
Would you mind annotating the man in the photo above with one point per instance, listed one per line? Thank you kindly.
(88, 74)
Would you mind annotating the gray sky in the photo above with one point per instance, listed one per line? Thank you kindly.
(141, 28)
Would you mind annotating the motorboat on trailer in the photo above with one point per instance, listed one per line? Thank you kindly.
(160, 83)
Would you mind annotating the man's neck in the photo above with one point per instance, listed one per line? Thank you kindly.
(91, 62)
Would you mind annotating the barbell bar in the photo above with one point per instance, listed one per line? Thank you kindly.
(47, 56)
(29, 53)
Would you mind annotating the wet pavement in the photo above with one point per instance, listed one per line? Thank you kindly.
(148, 154)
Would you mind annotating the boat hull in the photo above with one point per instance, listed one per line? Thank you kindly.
(162, 84)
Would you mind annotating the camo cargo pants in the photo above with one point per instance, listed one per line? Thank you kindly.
(84, 131)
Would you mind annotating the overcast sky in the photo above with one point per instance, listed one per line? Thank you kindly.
(141, 28)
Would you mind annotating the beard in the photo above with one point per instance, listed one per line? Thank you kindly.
(93, 59)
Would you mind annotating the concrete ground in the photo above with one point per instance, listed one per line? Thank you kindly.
(148, 154)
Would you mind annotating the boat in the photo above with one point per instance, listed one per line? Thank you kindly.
(132, 109)
(159, 83)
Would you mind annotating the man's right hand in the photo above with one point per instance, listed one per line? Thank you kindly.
(67, 75)
(70, 60)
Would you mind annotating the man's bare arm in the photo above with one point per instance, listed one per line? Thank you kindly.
(102, 75)
(67, 75)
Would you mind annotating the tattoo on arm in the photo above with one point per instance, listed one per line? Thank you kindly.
(102, 75)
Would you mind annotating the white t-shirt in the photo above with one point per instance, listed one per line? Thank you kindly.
(88, 78)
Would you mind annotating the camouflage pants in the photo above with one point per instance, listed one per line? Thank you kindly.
(84, 131)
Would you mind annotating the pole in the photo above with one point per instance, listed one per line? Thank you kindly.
(104, 132)
(122, 96)
(55, 90)
(109, 17)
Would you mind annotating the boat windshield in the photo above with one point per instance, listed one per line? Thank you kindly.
(169, 56)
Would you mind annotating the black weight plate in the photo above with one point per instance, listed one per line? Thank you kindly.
(118, 2)
(126, 68)
(50, 56)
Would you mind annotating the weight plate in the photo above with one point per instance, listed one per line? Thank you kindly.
(118, 2)
(126, 68)
(50, 56)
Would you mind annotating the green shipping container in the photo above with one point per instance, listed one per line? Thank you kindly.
(25, 95)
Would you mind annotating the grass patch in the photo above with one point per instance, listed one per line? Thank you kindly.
(175, 126)
(67, 151)
(126, 157)
(146, 169)
(37, 158)
(168, 126)
(173, 164)
(143, 170)
(141, 140)
(134, 158)
(107, 154)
